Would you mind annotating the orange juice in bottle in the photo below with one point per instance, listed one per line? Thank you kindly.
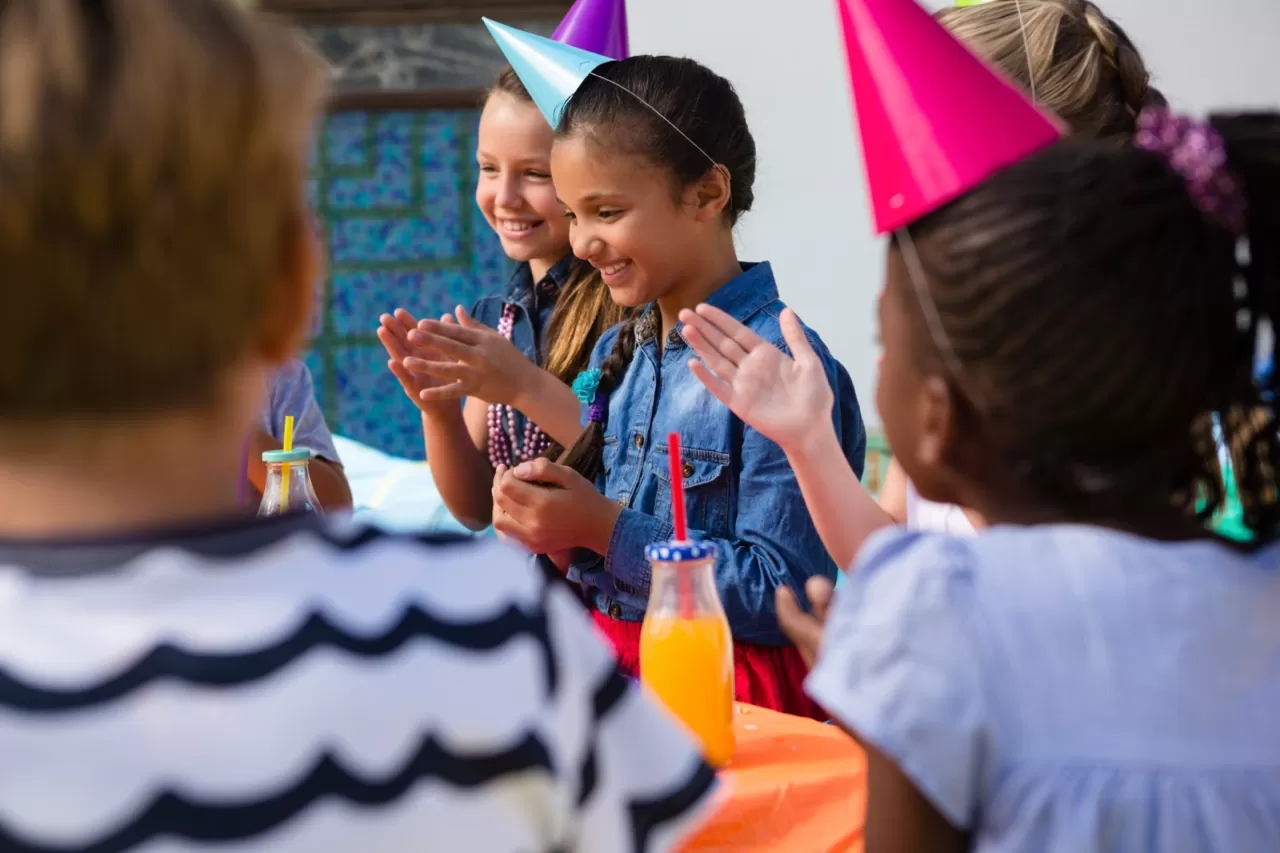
(686, 651)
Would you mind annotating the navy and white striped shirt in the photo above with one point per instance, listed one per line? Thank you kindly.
(283, 686)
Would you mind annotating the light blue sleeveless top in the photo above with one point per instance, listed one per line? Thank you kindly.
(1068, 689)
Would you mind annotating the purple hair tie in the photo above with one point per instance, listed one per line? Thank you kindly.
(1197, 153)
(595, 412)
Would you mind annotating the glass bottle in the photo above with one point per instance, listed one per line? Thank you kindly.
(297, 496)
(686, 650)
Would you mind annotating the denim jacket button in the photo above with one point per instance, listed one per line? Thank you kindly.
(615, 610)
(687, 470)
(639, 441)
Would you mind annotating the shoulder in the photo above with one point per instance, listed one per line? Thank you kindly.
(901, 665)
(291, 374)
(767, 323)
(605, 343)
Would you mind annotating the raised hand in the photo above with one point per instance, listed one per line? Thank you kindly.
(427, 392)
(470, 360)
(786, 398)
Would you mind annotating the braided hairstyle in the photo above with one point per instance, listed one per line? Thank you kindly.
(1099, 321)
(1084, 66)
(623, 114)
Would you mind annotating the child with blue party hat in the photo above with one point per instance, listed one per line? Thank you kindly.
(656, 164)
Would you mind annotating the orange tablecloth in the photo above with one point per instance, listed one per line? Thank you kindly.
(794, 786)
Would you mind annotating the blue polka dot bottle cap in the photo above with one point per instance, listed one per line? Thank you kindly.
(679, 552)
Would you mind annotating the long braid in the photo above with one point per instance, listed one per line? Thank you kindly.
(586, 456)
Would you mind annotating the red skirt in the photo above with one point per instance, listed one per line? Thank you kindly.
(767, 676)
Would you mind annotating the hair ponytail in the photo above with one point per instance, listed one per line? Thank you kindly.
(586, 456)
(584, 311)
(1253, 155)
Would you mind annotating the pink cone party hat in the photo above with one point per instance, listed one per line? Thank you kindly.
(935, 120)
(596, 26)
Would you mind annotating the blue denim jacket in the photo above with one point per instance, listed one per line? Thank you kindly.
(535, 302)
(740, 489)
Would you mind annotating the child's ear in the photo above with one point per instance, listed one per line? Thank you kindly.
(713, 193)
(288, 314)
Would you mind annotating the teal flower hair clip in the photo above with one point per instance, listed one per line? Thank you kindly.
(584, 387)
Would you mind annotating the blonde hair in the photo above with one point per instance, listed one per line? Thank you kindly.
(584, 309)
(1083, 65)
(152, 159)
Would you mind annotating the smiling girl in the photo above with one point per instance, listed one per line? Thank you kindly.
(513, 353)
(655, 163)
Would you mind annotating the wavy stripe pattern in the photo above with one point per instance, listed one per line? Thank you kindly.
(227, 670)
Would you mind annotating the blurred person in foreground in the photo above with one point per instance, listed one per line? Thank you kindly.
(172, 674)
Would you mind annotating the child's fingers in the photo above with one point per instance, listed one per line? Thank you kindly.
(715, 336)
(793, 333)
(709, 354)
(390, 343)
(801, 628)
(442, 343)
(465, 319)
(508, 525)
(450, 370)
(730, 328)
(819, 591)
(719, 388)
(406, 320)
(443, 393)
(407, 381)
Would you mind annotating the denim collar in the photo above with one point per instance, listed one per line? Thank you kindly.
(522, 287)
(740, 298)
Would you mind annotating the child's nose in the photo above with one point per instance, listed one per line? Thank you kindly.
(509, 194)
(584, 243)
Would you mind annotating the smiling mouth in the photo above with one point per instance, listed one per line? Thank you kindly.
(516, 226)
(614, 269)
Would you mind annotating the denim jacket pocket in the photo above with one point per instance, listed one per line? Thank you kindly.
(706, 488)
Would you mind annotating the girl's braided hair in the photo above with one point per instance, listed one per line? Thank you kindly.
(1101, 320)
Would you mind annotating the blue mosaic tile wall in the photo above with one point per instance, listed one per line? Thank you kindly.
(395, 196)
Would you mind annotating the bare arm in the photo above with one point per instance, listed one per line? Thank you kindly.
(551, 405)
(843, 511)
(899, 818)
(457, 440)
(893, 494)
(329, 479)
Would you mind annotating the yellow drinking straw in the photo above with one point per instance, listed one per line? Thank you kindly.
(284, 471)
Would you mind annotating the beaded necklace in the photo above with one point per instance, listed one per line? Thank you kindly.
(502, 419)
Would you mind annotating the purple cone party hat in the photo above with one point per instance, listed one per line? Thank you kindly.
(596, 26)
(935, 120)
(550, 71)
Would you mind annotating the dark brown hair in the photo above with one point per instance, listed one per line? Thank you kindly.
(678, 115)
(152, 158)
(1085, 67)
(584, 309)
(1134, 324)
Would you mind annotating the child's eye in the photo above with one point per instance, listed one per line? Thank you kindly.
(568, 214)
(608, 214)
(536, 174)
(487, 169)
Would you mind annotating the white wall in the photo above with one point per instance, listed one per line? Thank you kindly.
(810, 217)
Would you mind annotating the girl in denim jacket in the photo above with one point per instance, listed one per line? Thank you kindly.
(655, 163)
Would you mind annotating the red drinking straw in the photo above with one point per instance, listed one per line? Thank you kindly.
(677, 487)
(685, 582)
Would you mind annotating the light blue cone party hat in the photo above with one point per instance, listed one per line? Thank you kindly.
(549, 70)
